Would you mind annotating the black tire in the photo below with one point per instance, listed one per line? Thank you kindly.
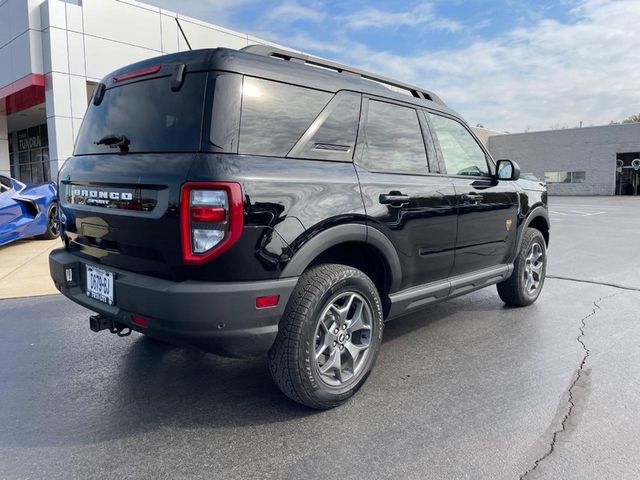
(292, 358)
(515, 291)
(53, 223)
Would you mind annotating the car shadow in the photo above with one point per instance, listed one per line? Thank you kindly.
(139, 385)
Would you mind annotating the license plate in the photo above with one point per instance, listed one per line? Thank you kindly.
(100, 284)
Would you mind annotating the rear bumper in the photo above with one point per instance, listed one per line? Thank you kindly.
(217, 317)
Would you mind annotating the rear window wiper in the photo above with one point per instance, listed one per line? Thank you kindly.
(115, 141)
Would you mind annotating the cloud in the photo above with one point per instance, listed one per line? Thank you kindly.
(420, 15)
(291, 12)
(544, 74)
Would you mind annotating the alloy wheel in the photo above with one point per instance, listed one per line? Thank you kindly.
(533, 268)
(54, 221)
(343, 337)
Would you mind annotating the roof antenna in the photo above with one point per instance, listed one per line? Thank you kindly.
(183, 35)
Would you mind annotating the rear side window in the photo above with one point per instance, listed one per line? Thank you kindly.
(393, 139)
(332, 136)
(275, 115)
(149, 114)
(461, 153)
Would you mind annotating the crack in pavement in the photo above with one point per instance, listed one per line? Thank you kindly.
(576, 379)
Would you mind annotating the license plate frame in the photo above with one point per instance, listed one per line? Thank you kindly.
(100, 284)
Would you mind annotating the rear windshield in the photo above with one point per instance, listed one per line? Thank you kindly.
(151, 116)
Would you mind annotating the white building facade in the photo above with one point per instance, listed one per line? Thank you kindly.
(54, 52)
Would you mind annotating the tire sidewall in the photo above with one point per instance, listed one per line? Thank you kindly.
(358, 283)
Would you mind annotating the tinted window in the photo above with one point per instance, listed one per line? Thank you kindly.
(334, 137)
(275, 115)
(152, 116)
(393, 139)
(5, 184)
(462, 154)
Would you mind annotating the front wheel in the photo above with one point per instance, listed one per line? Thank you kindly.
(53, 224)
(530, 267)
(328, 338)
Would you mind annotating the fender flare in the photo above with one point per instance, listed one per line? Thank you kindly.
(342, 234)
(537, 212)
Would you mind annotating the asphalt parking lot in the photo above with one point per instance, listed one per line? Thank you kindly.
(464, 389)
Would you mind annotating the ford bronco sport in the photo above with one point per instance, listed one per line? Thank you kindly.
(260, 201)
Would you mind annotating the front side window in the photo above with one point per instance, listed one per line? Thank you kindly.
(275, 115)
(393, 140)
(151, 116)
(461, 153)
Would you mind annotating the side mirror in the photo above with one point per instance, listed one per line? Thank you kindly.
(507, 170)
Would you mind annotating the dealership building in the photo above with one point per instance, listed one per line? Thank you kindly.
(54, 52)
(577, 161)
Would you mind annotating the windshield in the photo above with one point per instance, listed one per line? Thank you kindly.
(149, 115)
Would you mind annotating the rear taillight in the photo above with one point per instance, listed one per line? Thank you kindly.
(211, 219)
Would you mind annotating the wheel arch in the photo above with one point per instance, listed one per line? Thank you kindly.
(539, 220)
(355, 245)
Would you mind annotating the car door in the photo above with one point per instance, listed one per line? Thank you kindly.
(487, 208)
(414, 208)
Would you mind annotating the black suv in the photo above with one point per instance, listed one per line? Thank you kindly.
(263, 201)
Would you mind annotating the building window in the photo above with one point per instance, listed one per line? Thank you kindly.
(565, 177)
(30, 162)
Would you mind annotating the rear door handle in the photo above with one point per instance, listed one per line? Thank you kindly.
(394, 199)
(471, 198)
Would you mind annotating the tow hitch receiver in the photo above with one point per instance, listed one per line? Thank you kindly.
(99, 322)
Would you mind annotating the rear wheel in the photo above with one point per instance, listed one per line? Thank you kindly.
(530, 267)
(328, 338)
(53, 223)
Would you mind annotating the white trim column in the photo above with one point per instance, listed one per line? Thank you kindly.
(4, 147)
(65, 77)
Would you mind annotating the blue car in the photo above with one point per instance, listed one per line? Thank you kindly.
(27, 211)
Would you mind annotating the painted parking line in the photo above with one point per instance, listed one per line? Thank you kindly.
(576, 213)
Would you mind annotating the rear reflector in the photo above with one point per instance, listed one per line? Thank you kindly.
(143, 72)
(140, 321)
(268, 301)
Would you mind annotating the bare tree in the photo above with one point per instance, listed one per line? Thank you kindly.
(632, 119)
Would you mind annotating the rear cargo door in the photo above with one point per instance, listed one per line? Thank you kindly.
(120, 191)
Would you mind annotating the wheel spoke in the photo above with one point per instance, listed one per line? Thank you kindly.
(357, 322)
(536, 253)
(334, 362)
(537, 268)
(343, 311)
(323, 346)
(529, 281)
(355, 351)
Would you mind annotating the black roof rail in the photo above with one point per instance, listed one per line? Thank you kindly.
(268, 51)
